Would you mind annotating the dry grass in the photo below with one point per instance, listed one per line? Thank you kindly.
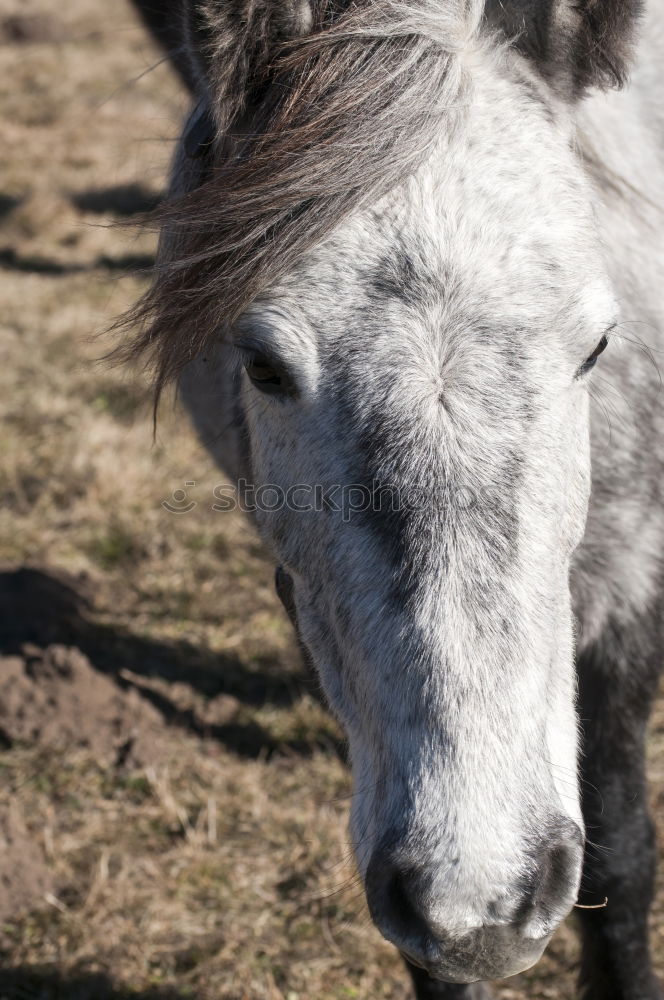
(221, 870)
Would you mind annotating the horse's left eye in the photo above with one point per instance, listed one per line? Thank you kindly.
(590, 361)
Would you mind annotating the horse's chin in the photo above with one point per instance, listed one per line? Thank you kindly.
(478, 964)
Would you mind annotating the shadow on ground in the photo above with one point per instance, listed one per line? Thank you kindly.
(119, 199)
(10, 260)
(27, 983)
(45, 607)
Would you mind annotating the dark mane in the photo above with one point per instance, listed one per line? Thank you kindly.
(342, 115)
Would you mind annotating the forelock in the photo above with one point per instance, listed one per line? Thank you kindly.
(346, 113)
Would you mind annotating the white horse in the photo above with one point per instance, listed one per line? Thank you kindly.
(401, 234)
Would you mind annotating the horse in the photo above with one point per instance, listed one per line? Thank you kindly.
(409, 284)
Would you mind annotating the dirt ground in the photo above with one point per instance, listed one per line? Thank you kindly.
(173, 797)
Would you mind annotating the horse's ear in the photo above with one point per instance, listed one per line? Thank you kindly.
(576, 44)
(231, 44)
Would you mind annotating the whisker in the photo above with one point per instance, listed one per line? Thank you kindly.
(601, 405)
(131, 82)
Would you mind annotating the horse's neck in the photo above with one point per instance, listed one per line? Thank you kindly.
(621, 134)
(648, 76)
(627, 126)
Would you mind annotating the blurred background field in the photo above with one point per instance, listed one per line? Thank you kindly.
(173, 794)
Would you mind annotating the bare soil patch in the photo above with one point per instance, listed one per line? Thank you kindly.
(25, 879)
(54, 697)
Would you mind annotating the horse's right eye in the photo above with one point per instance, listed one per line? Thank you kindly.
(266, 376)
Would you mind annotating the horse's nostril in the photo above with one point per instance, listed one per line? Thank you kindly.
(556, 873)
(552, 888)
(397, 904)
(402, 907)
